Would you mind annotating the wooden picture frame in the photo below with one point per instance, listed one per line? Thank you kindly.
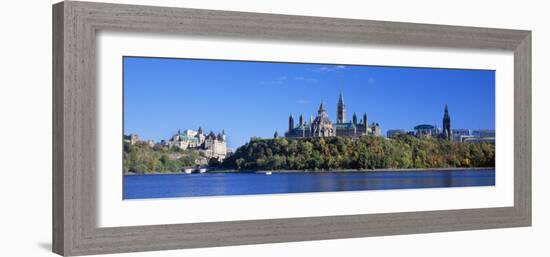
(75, 25)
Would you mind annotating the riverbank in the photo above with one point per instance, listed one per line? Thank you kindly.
(380, 170)
(320, 171)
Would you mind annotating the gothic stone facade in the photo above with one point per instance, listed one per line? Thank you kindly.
(321, 126)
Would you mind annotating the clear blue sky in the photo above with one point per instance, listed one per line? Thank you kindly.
(255, 98)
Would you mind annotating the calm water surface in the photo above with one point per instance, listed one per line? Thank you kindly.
(188, 185)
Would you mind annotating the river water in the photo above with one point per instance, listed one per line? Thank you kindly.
(215, 184)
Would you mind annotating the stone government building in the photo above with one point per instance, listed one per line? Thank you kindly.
(321, 126)
(212, 145)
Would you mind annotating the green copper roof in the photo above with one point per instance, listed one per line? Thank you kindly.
(300, 127)
(184, 137)
(424, 126)
(347, 125)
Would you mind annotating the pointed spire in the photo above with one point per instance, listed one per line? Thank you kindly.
(341, 98)
(321, 107)
(341, 109)
(290, 123)
(447, 134)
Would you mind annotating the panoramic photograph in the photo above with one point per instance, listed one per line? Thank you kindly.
(197, 127)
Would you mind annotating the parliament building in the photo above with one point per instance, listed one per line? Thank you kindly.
(321, 126)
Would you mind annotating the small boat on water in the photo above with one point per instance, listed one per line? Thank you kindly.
(202, 170)
(269, 173)
(188, 171)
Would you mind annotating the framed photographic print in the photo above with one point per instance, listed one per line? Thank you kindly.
(183, 128)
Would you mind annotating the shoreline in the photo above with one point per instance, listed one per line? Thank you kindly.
(314, 171)
(377, 170)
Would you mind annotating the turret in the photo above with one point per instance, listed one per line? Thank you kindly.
(290, 123)
(211, 135)
(354, 119)
(200, 136)
(321, 108)
(301, 120)
(223, 135)
(276, 135)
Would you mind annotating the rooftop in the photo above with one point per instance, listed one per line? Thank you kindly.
(343, 125)
(424, 126)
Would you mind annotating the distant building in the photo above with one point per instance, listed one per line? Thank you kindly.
(131, 139)
(426, 130)
(490, 140)
(455, 135)
(321, 126)
(215, 145)
(184, 140)
(190, 133)
(395, 132)
(458, 135)
(479, 136)
(484, 133)
(212, 145)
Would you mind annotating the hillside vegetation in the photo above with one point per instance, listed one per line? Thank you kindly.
(366, 152)
(142, 158)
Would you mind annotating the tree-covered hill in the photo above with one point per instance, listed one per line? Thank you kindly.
(366, 152)
(142, 158)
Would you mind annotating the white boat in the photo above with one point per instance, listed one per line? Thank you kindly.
(188, 171)
(202, 170)
(269, 173)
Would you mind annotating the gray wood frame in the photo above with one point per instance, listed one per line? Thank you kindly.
(74, 130)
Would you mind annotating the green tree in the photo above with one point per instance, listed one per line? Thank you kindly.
(366, 152)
